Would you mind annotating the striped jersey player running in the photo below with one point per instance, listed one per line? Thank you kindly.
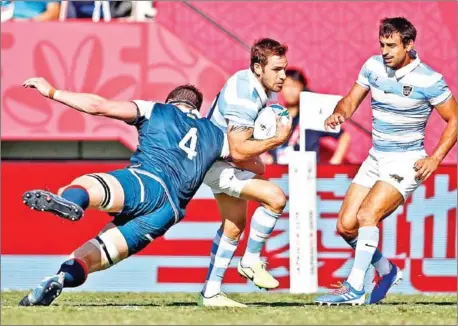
(404, 93)
(234, 111)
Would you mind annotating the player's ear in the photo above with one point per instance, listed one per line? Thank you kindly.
(409, 46)
(257, 69)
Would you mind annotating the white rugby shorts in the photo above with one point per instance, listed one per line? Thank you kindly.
(225, 178)
(395, 168)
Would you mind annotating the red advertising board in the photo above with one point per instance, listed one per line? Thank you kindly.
(420, 236)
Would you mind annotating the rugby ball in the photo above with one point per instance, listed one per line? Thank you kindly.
(265, 125)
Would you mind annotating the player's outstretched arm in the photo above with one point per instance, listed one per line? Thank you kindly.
(425, 167)
(243, 146)
(87, 103)
(346, 106)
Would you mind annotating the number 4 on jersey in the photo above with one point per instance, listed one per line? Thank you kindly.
(191, 136)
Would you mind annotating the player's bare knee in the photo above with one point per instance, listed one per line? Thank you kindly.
(345, 231)
(347, 224)
(90, 254)
(111, 246)
(366, 217)
(85, 182)
(276, 200)
(105, 191)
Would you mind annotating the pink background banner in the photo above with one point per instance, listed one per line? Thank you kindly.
(329, 40)
(118, 61)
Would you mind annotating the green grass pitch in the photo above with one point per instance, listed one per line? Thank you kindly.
(90, 308)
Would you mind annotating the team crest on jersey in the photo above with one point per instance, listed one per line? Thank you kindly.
(407, 90)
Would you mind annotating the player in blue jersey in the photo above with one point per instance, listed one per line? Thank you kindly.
(176, 148)
(404, 93)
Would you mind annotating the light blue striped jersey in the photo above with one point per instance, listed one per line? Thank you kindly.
(240, 100)
(402, 101)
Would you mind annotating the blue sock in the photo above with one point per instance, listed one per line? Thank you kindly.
(75, 272)
(77, 195)
(215, 246)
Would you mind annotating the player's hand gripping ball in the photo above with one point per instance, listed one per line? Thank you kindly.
(265, 126)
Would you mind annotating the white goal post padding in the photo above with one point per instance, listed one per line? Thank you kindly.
(314, 109)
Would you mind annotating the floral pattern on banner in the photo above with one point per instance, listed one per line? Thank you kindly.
(145, 62)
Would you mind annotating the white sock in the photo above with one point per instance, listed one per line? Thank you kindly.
(368, 237)
(250, 258)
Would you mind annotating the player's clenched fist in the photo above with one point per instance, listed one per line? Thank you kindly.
(283, 129)
(334, 120)
(40, 84)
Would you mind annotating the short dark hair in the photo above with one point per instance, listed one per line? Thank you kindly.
(186, 94)
(297, 75)
(389, 26)
(263, 48)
